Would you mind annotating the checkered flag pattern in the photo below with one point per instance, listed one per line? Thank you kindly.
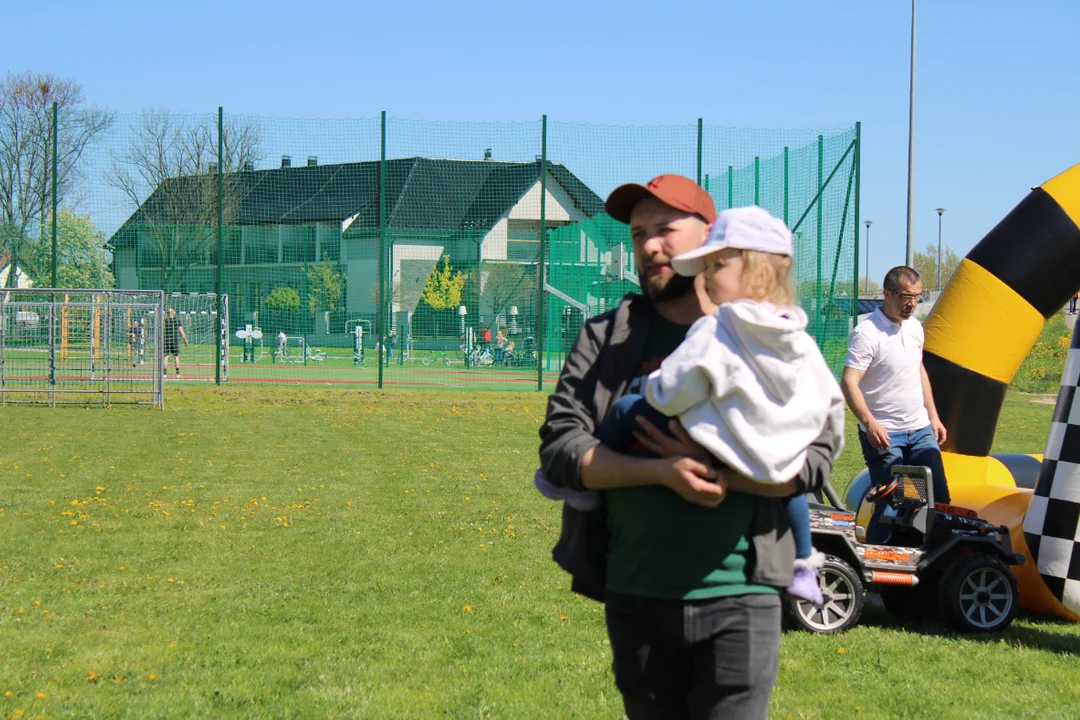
(1052, 521)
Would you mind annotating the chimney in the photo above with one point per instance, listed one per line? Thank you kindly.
(286, 161)
(312, 160)
(249, 166)
(487, 154)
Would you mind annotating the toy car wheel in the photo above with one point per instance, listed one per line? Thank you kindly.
(446, 361)
(979, 594)
(843, 593)
(426, 361)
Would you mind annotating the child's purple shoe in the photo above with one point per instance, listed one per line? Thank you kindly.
(807, 583)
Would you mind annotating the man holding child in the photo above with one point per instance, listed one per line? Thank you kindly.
(688, 555)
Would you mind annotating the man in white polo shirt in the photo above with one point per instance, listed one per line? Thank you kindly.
(887, 389)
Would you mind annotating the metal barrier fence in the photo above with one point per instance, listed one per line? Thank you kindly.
(100, 347)
(385, 251)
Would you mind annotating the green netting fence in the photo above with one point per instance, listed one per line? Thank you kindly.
(383, 251)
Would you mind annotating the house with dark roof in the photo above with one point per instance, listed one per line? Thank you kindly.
(281, 220)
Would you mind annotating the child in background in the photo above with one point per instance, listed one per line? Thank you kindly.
(748, 383)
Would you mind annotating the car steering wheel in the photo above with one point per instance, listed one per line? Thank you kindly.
(882, 490)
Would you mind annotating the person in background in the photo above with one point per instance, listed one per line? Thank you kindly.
(888, 391)
(173, 332)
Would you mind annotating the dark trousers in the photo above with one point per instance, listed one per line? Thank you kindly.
(674, 659)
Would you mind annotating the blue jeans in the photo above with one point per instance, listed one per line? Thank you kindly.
(617, 429)
(906, 447)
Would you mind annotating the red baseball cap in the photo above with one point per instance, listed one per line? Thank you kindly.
(679, 192)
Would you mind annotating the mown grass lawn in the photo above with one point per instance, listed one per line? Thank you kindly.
(261, 551)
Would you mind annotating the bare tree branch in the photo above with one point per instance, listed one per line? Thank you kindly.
(26, 140)
(169, 174)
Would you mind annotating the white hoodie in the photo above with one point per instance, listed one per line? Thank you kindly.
(751, 386)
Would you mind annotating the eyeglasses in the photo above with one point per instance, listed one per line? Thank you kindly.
(906, 297)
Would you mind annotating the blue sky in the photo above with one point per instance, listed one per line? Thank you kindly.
(998, 85)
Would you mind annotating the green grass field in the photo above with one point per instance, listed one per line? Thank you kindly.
(271, 551)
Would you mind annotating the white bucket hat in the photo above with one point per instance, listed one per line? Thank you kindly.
(745, 228)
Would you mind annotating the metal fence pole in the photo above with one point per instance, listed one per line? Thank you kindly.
(730, 186)
(380, 321)
(55, 125)
(700, 130)
(220, 230)
(757, 180)
(541, 274)
(787, 165)
(820, 217)
(855, 235)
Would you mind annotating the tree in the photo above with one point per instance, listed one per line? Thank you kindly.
(926, 264)
(443, 287)
(869, 285)
(505, 284)
(283, 298)
(26, 140)
(169, 173)
(325, 288)
(82, 254)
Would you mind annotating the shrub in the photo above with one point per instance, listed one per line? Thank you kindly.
(1041, 370)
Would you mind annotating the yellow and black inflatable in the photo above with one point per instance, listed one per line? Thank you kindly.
(979, 332)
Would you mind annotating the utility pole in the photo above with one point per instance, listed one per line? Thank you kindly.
(939, 212)
(911, 149)
(867, 223)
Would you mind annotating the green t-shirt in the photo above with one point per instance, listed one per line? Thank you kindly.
(663, 546)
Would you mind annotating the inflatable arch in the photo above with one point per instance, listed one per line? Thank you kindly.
(979, 332)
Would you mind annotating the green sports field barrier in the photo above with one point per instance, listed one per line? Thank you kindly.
(382, 251)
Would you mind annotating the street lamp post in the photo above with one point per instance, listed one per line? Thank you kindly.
(939, 212)
(867, 223)
(909, 254)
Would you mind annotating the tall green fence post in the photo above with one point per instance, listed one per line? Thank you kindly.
(787, 194)
(757, 180)
(541, 269)
(820, 217)
(55, 202)
(220, 240)
(700, 131)
(858, 182)
(380, 319)
(730, 186)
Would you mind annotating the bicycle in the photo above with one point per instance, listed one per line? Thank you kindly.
(478, 356)
(435, 355)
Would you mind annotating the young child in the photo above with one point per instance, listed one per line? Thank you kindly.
(748, 383)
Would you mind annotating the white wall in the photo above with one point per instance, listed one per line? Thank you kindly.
(558, 206)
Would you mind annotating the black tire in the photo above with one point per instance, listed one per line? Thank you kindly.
(446, 360)
(426, 360)
(844, 597)
(978, 594)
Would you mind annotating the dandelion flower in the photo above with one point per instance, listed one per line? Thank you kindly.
(468, 608)
(151, 677)
(40, 696)
(841, 651)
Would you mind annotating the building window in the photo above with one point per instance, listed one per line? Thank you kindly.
(298, 243)
(523, 238)
(329, 244)
(260, 245)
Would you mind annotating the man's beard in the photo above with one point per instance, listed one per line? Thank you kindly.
(676, 287)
